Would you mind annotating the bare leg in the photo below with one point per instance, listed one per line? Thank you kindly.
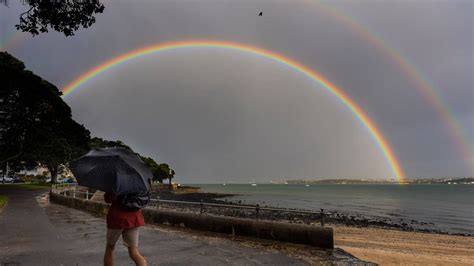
(136, 256)
(109, 255)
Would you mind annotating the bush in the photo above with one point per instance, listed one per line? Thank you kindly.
(26, 178)
(40, 177)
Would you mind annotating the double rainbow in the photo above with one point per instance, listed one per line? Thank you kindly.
(161, 47)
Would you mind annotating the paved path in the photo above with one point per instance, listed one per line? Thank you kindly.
(34, 232)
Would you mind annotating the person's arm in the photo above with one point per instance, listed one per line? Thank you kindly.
(109, 197)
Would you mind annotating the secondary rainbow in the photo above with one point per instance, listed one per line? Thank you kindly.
(459, 136)
(349, 103)
(429, 93)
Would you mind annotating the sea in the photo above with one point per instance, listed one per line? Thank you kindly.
(448, 208)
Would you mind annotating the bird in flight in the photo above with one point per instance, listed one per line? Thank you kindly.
(260, 14)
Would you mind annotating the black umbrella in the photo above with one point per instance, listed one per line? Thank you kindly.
(114, 170)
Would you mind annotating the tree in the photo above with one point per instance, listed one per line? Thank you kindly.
(65, 16)
(12, 129)
(166, 173)
(157, 171)
(99, 143)
(36, 124)
(170, 176)
(154, 167)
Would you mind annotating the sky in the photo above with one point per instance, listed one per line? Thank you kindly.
(225, 116)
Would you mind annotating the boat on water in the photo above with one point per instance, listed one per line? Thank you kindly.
(253, 185)
(307, 185)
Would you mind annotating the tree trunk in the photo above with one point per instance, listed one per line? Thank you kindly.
(53, 169)
(169, 185)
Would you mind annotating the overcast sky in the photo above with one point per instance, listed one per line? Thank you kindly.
(218, 115)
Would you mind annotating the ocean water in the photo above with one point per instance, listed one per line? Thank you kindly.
(449, 208)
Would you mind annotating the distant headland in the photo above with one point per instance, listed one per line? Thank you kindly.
(438, 180)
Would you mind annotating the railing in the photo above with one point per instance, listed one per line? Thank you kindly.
(71, 190)
(74, 191)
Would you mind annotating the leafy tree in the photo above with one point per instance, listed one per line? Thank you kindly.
(65, 16)
(156, 169)
(99, 143)
(166, 173)
(12, 134)
(36, 124)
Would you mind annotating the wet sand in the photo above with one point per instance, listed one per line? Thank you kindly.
(387, 247)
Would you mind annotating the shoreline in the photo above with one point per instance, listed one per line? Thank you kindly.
(335, 218)
(374, 243)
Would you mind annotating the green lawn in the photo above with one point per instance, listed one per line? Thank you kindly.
(3, 200)
(26, 186)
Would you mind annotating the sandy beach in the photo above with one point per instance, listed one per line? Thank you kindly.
(388, 247)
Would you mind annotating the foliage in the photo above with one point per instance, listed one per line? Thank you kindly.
(167, 173)
(99, 143)
(39, 177)
(27, 178)
(65, 16)
(36, 124)
(157, 170)
(36, 127)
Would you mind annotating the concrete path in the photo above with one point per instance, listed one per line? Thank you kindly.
(34, 232)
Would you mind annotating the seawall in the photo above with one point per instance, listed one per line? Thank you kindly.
(317, 236)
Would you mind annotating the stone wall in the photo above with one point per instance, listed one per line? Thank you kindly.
(296, 233)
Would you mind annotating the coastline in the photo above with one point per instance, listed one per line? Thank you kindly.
(376, 242)
(335, 218)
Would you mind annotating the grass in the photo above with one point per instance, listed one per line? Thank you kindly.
(3, 200)
(29, 186)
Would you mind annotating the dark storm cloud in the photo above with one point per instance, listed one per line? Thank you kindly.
(258, 125)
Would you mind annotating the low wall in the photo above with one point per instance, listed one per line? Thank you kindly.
(296, 233)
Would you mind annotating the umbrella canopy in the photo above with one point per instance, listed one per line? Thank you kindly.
(114, 170)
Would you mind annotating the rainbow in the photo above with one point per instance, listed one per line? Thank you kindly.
(353, 107)
(12, 39)
(427, 91)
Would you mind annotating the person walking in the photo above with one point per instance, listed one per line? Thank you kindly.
(125, 223)
(126, 181)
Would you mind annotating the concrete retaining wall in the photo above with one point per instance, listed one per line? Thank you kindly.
(302, 234)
